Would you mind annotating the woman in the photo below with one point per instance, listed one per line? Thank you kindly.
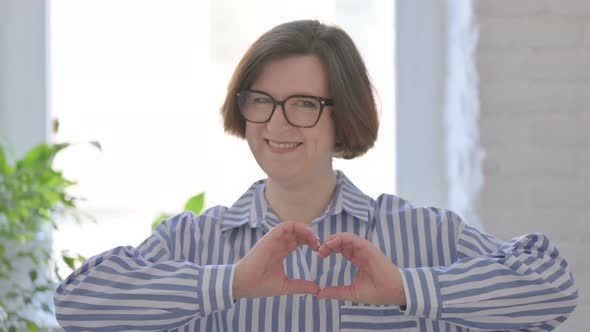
(304, 249)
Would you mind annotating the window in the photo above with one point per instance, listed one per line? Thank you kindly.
(147, 78)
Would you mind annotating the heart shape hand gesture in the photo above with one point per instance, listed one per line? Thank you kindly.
(261, 274)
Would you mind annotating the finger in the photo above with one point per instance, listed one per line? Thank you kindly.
(335, 244)
(348, 250)
(270, 246)
(332, 245)
(293, 243)
(296, 286)
(288, 232)
(324, 251)
(306, 235)
(359, 252)
(288, 229)
(332, 236)
(337, 292)
(343, 234)
(276, 235)
(300, 242)
(355, 242)
(346, 243)
(278, 250)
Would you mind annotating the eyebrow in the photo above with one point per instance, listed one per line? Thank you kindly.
(310, 94)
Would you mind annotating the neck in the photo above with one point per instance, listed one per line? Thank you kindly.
(302, 201)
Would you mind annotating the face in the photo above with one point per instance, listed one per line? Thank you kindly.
(283, 151)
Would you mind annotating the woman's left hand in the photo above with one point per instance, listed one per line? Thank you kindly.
(377, 281)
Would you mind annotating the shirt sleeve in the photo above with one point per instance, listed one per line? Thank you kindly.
(522, 284)
(144, 288)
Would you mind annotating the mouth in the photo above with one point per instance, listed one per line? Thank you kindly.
(282, 147)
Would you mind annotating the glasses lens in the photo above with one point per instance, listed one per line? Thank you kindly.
(254, 106)
(302, 111)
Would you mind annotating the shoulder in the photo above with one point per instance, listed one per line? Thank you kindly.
(187, 220)
(391, 208)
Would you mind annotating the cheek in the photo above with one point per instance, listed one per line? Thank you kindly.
(250, 136)
(250, 131)
(325, 140)
(329, 134)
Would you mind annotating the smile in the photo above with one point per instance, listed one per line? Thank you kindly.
(285, 146)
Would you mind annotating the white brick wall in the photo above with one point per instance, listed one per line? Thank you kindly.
(541, 32)
(508, 8)
(533, 60)
(574, 8)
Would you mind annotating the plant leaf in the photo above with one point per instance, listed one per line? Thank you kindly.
(159, 220)
(33, 275)
(11, 295)
(57, 274)
(195, 204)
(4, 167)
(41, 289)
(69, 261)
(45, 307)
(32, 326)
(55, 125)
(96, 144)
(37, 156)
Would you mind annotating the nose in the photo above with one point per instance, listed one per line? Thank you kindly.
(278, 122)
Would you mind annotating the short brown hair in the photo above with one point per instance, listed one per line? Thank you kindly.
(355, 114)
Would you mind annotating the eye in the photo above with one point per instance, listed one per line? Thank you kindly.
(304, 103)
(262, 100)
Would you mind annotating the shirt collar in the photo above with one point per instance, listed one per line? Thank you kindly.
(253, 209)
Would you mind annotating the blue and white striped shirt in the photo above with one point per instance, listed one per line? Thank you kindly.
(456, 278)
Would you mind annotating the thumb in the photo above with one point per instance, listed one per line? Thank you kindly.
(296, 286)
(337, 293)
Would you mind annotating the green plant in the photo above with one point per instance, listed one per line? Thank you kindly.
(194, 204)
(32, 195)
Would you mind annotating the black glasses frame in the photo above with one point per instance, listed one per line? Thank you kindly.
(323, 103)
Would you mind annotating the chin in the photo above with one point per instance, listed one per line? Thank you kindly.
(280, 174)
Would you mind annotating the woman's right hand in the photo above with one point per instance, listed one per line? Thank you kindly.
(261, 274)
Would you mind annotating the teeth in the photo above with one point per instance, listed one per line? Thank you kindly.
(282, 145)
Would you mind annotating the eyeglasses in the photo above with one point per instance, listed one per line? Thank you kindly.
(300, 110)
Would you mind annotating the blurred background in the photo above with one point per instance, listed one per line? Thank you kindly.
(485, 110)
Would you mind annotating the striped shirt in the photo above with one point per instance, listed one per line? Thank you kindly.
(456, 278)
